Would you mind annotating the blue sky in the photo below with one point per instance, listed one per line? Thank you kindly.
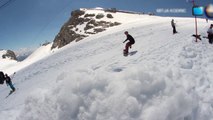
(28, 23)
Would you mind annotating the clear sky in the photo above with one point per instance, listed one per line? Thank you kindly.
(28, 23)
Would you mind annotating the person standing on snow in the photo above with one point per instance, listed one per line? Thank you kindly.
(130, 43)
(9, 82)
(173, 26)
(210, 34)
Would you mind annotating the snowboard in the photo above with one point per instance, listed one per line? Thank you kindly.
(129, 53)
(125, 53)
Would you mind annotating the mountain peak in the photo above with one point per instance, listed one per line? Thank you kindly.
(83, 23)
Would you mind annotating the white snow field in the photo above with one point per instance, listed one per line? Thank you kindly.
(165, 77)
(7, 62)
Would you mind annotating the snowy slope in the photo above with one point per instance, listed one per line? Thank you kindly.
(7, 62)
(39, 54)
(166, 77)
(23, 53)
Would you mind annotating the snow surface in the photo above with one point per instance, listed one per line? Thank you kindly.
(165, 77)
(6, 62)
(40, 53)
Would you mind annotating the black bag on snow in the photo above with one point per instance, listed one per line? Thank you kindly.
(2, 78)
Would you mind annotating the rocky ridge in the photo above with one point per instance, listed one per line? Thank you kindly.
(9, 54)
(81, 25)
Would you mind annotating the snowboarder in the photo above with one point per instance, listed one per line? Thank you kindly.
(210, 34)
(129, 44)
(9, 82)
(173, 26)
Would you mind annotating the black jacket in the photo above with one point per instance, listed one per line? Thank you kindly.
(7, 79)
(172, 23)
(130, 38)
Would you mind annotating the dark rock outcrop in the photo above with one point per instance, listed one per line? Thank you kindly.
(71, 31)
(89, 15)
(99, 16)
(9, 54)
(66, 35)
(77, 13)
(109, 16)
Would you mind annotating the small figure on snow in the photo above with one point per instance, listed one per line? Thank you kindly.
(9, 82)
(210, 34)
(130, 43)
(173, 26)
(2, 77)
(207, 20)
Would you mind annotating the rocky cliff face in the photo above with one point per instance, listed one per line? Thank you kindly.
(9, 54)
(81, 25)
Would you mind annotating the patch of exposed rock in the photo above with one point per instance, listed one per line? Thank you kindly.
(89, 15)
(109, 16)
(81, 25)
(9, 54)
(99, 16)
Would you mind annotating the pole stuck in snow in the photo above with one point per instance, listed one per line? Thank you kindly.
(196, 11)
(193, 2)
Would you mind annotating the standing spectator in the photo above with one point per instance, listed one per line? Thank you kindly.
(207, 20)
(173, 26)
(210, 34)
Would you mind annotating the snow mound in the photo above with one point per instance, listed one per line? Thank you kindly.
(39, 54)
(97, 96)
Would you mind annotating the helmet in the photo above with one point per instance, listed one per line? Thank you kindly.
(126, 32)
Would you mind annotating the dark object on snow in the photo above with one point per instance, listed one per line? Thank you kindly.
(9, 82)
(125, 53)
(130, 43)
(99, 16)
(2, 78)
(210, 34)
(10, 54)
(197, 36)
(109, 16)
(173, 26)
